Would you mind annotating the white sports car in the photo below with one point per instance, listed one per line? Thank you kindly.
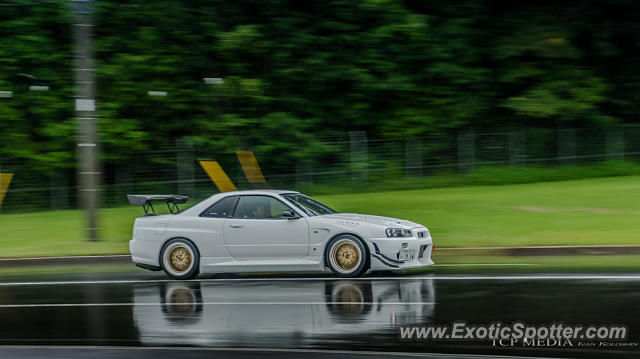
(267, 231)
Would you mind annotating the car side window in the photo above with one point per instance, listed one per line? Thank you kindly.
(221, 209)
(259, 207)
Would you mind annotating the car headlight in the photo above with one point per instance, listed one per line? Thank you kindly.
(398, 232)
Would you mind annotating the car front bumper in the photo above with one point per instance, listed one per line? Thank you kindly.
(385, 252)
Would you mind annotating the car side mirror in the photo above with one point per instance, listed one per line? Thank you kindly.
(289, 214)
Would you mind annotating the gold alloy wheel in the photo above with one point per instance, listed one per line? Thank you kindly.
(180, 258)
(347, 256)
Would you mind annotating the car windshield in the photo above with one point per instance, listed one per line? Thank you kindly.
(307, 204)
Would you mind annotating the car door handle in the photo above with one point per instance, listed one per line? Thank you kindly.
(236, 226)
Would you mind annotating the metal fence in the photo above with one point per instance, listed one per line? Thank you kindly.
(354, 158)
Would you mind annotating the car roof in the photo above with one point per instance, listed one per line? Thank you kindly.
(260, 191)
(197, 208)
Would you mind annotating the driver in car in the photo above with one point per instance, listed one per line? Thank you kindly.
(260, 211)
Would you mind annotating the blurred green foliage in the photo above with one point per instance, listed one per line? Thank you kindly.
(293, 72)
(36, 126)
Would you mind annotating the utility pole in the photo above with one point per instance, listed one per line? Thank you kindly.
(84, 75)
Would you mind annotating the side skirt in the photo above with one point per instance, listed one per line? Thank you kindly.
(148, 267)
(227, 264)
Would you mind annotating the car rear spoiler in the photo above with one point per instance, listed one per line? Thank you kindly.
(144, 200)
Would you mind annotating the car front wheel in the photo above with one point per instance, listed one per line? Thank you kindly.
(347, 256)
(180, 259)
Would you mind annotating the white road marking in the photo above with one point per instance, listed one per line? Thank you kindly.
(542, 247)
(132, 304)
(275, 350)
(297, 279)
(536, 277)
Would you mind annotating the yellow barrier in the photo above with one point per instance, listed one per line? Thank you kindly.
(5, 179)
(218, 176)
(250, 167)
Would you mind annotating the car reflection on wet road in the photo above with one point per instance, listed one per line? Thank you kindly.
(221, 314)
(312, 312)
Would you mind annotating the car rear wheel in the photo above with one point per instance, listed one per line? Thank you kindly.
(347, 256)
(180, 259)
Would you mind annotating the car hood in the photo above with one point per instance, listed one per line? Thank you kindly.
(376, 220)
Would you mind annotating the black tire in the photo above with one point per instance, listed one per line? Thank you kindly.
(340, 254)
(180, 259)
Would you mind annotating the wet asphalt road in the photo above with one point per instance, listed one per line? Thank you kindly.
(308, 312)
(198, 353)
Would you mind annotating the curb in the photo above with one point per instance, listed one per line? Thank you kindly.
(584, 250)
(67, 260)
